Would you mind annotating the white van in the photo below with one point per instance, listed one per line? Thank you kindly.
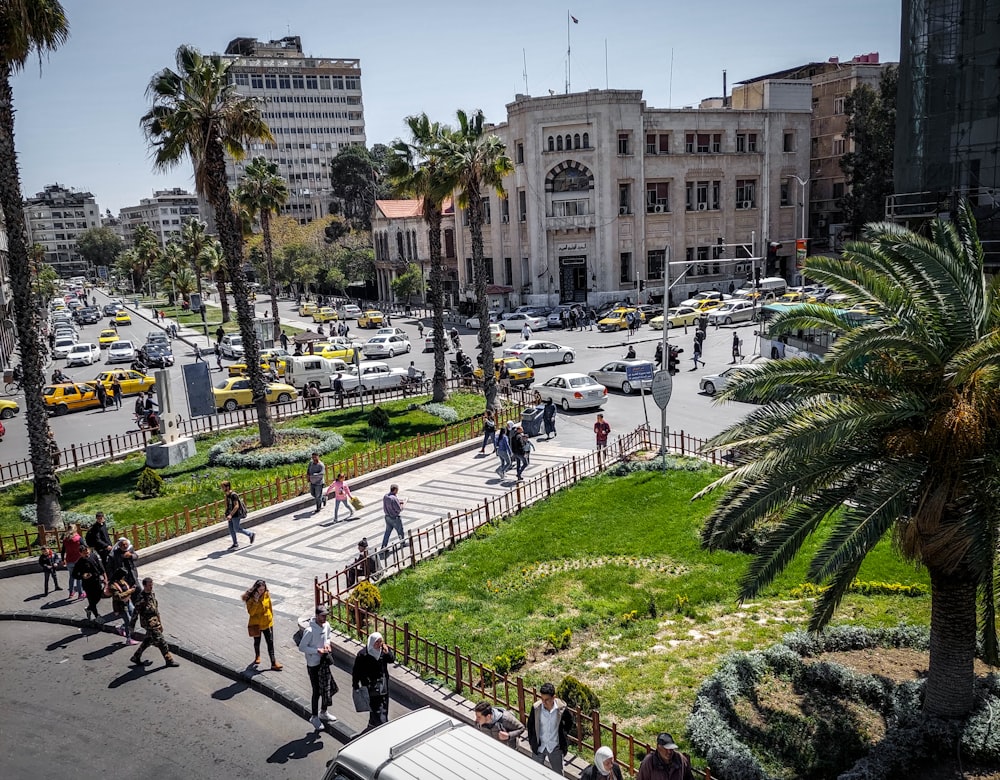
(301, 370)
(428, 745)
(771, 288)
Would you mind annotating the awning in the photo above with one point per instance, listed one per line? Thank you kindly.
(498, 289)
(306, 337)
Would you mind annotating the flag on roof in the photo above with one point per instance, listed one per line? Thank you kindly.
(575, 20)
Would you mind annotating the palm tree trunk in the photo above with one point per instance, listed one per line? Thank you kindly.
(26, 316)
(479, 268)
(440, 386)
(220, 286)
(950, 678)
(265, 224)
(231, 239)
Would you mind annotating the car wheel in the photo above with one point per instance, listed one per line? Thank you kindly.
(729, 320)
(408, 348)
(392, 353)
(709, 388)
(627, 387)
(61, 410)
(6, 414)
(564, 404)
(568, 357)
(529, 362)
(284, 398)
(230, 405)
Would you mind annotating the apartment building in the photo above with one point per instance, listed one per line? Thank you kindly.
(55, 218)
(314, 108)
(400, 237)
(165, 214)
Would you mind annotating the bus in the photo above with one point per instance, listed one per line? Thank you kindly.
(812, 343)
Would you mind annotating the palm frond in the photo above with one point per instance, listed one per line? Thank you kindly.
(830, 598)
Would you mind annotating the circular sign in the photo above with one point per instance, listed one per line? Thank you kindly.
(663, 386)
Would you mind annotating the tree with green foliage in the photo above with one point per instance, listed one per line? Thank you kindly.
(476, 159)
(871, 126)
(408, 284)
(194, 239)
(213, 261)
(262, 193)
(356, 180)
(198, 113)
(896, 432)
(27, 28)
(99, 246)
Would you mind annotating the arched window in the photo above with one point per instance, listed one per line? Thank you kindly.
(559, 143)
(552, 144)
(576, 141)
(571, 180)
(399, 243)
(569, 142)
(586, 140)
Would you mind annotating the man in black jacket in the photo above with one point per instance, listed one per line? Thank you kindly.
(98, 538)
(549, 724)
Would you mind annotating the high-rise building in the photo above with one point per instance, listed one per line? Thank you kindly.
(165, 213)
(314, 108)
(55, 218)
(948, 115)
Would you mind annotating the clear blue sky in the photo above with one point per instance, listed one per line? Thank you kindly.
(77, 121)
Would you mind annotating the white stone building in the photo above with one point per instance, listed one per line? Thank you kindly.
(165, 214)
(55, 218)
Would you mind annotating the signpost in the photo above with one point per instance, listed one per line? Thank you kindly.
(663, 388)
(638, 375)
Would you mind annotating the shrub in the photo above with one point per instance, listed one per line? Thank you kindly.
(446, 413)
(501, 664)
(29, 514)
(560, 641)
(577, 694)
(510, 661)
(367, 596)
(293, 446)
(810, 590)
(149, 483)
(378, 419)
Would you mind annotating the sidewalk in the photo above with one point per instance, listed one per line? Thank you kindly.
(199, 588)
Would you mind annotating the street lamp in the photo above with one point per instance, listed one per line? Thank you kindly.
(803, 183)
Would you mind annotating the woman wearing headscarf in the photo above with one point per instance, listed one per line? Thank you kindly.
(371, 669)
(604, 766)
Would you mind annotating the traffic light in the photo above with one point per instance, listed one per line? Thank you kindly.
(756, 276)
(673, 359)
(642, 285)
(772, 257)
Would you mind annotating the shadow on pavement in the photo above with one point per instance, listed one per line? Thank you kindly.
(133, 673)
(62, 644)
(104, 652)
(227, 693)
(297, 748)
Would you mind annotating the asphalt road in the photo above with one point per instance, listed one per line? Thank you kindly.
(689, 410)
(73, 707)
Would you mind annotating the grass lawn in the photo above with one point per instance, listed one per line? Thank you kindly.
(618, 561)
(213, 317)
(110, 487)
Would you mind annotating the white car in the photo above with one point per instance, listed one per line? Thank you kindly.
(391, 332)
(232, 346)
(732, 311)
(615, 374)
(540, 353)
(429, 343)
(711, 384)
(386, 346)
(472, 323)
(372, 376)
(83, 355)
(62, 347)
(349, 312)
(121, 352)
(574, 391)
(516, 321)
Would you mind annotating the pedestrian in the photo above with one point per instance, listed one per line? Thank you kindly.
(236, 512)
(197, 354)
(489, 431)
(517, 448)
(98, 539)
(338, 389)
(261, 621)
(314, 399)
(549, 418)
(526, 332)
(116, 391)
(503, 451)
(392, 507)
(341, 495)
(658, 355)
(591, 318)
(371, 670)
(284, 341)
(316, 477)
(54, 450)
(315, 644)
(71, 544)
(364, 567)
(604, 766)
(102, 396)
(666, 762)
(218, 359)
(737, 347)
(49, 563)
(149, 617)
(122, 592)
(601, 430)
(90, 573)
(420, 330)
(572, 319)
(696, 355)
(504, 377)
(549, 725)
(501, 723)
(219, 334)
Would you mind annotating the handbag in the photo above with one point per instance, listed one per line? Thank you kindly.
(357, 504)
(361, 701)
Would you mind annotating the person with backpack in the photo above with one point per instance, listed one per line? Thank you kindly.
(503, 452)
(236, 512)
(517, 442)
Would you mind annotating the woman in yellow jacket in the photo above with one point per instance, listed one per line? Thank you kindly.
(258, 601)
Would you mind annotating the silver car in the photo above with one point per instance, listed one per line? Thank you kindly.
(540, 353)
(615, 374)
(732, 311)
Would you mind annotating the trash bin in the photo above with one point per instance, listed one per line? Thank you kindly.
(531, 420)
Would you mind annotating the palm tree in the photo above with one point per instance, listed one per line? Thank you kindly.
(262, 192)
(130, 264)
(184, 282)
(474, 160)
(213, 260)
(27, 27)
(194, 239)
(147, 251)
(896, 432)
(170, 261)
(416, 170)
(197, 113)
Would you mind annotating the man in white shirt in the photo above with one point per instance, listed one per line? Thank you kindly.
(315, 643)
(526, 332)
(549, 724)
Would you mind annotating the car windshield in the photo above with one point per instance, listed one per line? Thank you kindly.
(235, 340)
(64, 343)
(512, 364)
(521, 345)
(580, 381)
(223, 385)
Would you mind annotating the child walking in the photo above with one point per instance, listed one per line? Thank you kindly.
(342, 495)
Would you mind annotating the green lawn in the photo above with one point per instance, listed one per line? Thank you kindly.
(589, 557)
(111, 486)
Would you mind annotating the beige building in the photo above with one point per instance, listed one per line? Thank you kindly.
(55, 218)
(605, 191)
(165, 214)
(314, 108)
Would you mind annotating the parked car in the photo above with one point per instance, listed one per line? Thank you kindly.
(732, 311)
(65, 333)
(707, 295)
(108, 337)
(516, 320)
(386, 346)
(615, 374)
(121, 352)
(83, 355)
(540, 353)
(371, 319)
(372, 376)
(554, 317)
(156, 355)
(122, 318)
(69, 397)
(234, 392)
(232, 346)
(62, 347)
(472, 323)
(349, 312)
(574, 391)
(326, 314)
(132, 382)
(710, 384)
(677, 317)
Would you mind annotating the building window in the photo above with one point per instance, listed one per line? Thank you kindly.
(559, 146)
(788, 142)
(576, 140)
(625, 266)
(298, 82)
(324, 82)
(586, 140)
(352, 82)
(839, 146)
(746, 193)
(449, 243)
(624, 145)
(508, 272)
(487, 217)
(256, 81)
(242, 79)
(746, 142)
(284, 82)
(838, 189)
(657, 197)
(654, 264)
(663, 143)
(337, 81)
(312, 82)
(522, 206)
(552, 144)
(504, 210)
(571, 208)
(624, 198)
(703, 143)
(270, 81)
(650, 143)
(468, 271)
(569, 142)
(702, 195)
(519, 153)
(838, 105)
(785, 188)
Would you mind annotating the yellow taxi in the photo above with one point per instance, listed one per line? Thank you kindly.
(8, 408)
(108, 337)
(708, 305)
(677, 317)
(307, 309)
(325, 314)
(132, 381)
(122, 318)
(371, 319)
(70, 397)
(334, 350)
(235, 392)
(616, 319)
(520, 374)
(277, 356)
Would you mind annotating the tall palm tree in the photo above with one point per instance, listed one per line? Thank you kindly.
(416, 170)
(262, 193)
(130, 264)
(476, 159)
(896, 432)
(147, 251)
(197, 113)
(213, 261)
(27, 27)
(171, 260)
(194, 239)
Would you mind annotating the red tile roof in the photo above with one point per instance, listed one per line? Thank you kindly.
(406, 209)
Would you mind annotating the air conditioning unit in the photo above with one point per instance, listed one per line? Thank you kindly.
(747, 204)
(622, 211)
(658, 209)
(702, 207)
(505, 218)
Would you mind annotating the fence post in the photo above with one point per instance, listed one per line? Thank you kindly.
(458, 670)
(683, 439)
(595, 722)
(522, 713)
(413, 554)
(548, 483)
(277, 485)
(187, 520)
(486, 509)
(406, 643)
(72, 449)
(111, 445)
(316, 591)
(451, 531)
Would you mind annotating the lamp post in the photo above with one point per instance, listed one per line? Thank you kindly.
(803, 183)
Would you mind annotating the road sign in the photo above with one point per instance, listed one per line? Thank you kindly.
(640, 372)
(663, 386)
